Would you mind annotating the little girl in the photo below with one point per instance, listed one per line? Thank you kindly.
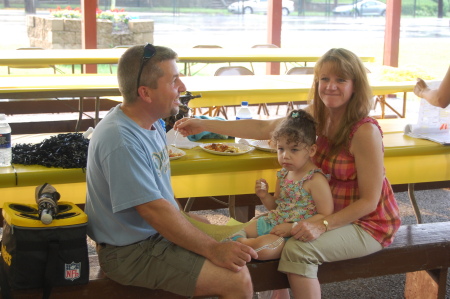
(302, 192)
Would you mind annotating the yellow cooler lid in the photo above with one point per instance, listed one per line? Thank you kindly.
(27, 215)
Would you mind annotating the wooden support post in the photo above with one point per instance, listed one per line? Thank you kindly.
(274, 16)
(89, 31)
(426, 284)
(392, 33)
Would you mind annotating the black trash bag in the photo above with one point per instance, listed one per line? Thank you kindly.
(62, 150)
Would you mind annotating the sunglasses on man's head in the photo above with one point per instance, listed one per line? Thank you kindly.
(149, 52)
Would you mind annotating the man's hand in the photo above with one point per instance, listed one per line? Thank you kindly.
(189, 126)
(232, 255)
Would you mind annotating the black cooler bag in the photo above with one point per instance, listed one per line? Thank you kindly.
(36, 255)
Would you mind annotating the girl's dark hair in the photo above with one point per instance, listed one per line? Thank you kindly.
(298, 127)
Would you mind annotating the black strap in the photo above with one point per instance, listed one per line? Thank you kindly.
(4, 285)
(51, 267)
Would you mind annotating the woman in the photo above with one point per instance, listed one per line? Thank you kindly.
(350, 149)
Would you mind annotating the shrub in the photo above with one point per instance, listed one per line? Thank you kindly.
(114, 15)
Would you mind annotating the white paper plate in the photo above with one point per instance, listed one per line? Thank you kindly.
(242, 147)
(263, 145)
(175, 151)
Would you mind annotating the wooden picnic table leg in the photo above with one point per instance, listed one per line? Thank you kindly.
(97, 110)
(426, 284)
(189, 203)
(244, 213)
(404, 105)
(412, 199)
(393, 110)
(80, 114)
(382, 105)
(232, 206)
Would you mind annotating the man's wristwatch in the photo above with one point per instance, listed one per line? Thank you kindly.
(326, 225)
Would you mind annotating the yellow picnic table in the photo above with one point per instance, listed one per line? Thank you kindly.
(215, 90)
(185, 55)
(407, 161)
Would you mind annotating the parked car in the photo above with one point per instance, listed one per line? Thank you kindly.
(361, 8)
(253, 6)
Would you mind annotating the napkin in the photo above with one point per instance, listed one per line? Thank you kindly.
(88, 133)
(218, 232)
(244, 142)
(206, 134)
(180, 142)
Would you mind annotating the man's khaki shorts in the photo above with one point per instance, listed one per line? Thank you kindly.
(155, 263)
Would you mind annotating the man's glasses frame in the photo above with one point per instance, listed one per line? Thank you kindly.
(149, 52)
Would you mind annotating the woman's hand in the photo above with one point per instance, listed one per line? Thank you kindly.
(261, 188)
(420, 87)
(307, 231)
(189, 126)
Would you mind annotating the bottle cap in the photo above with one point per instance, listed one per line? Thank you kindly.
(46, 219)
(244, 103)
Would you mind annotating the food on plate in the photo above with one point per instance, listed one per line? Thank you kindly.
(223, 148)
(173, 154)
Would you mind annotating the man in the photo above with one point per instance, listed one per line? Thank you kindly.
(143, 239)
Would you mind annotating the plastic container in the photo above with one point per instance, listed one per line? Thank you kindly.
(243, 113)
(5, 142)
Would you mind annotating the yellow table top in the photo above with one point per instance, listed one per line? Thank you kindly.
(22, 87)
(407, 160)
(111, 56)
(232, 90)
(198, 162)
(215, 90)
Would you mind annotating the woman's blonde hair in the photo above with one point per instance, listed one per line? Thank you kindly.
(128, 69)
(347, 65)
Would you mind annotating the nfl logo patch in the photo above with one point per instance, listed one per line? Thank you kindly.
(72, 271)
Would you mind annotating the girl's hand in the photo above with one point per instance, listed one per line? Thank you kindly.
(282, 230)
(307, 231)
(261, 188)
(189, 126)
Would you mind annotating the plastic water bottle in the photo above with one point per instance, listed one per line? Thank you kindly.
(243, 113)
(5, 142)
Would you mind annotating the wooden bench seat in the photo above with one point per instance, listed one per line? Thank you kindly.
(422, 251)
